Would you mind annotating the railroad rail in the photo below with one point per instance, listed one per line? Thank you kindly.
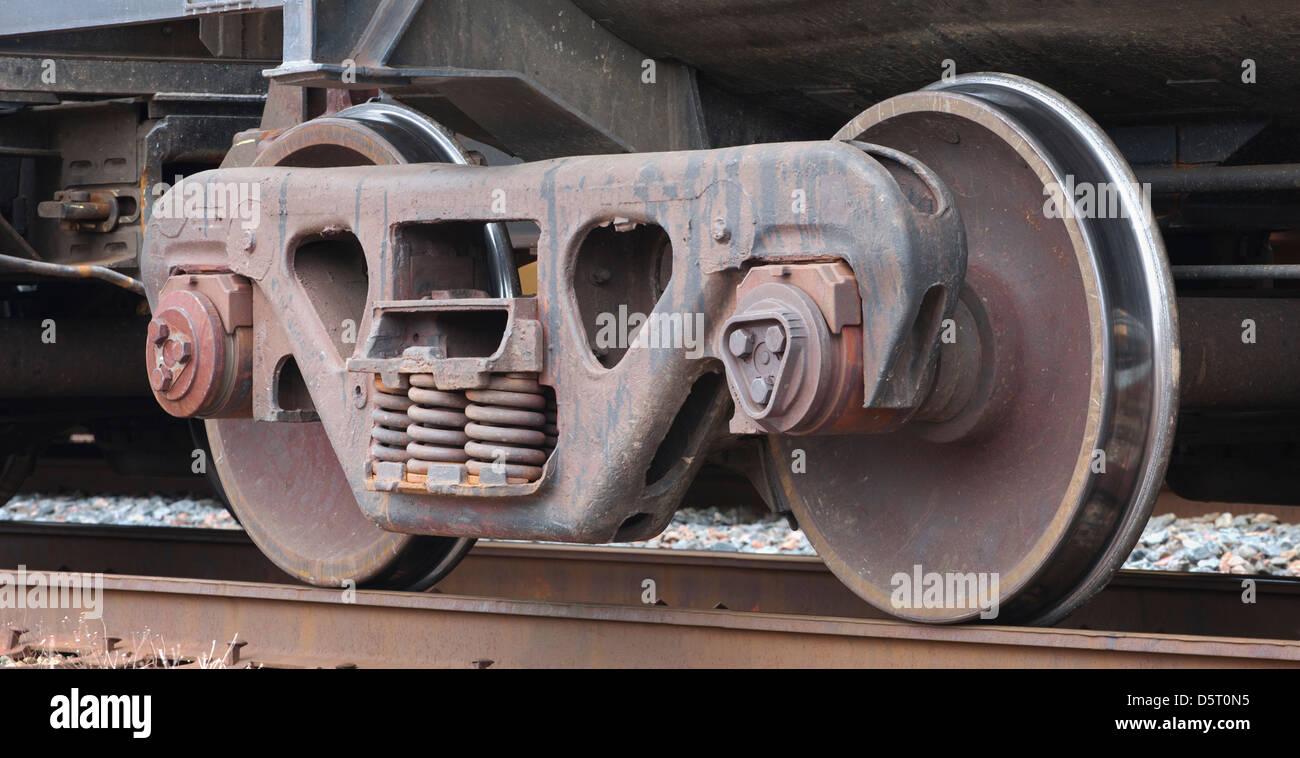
(282, 626)
(518, 604)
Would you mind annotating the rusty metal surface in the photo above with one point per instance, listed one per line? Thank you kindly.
(588, 464)
(301, 511)
(992, 501)
(289, 626)
(12, 264)
(1139, 602)
(82, 210)
(216, 554)
(464, 402)
(851, 198)
(1080, 327)
(794, 353)
(315, 533)
(1097, 372)
(199, 352)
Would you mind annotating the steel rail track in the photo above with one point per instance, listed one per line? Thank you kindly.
(282, 626)
(524, 604)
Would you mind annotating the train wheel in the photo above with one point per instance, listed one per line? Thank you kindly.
(282, 480)
(1042, 485)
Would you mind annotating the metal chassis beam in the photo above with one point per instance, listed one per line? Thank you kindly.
(71, 15)
(538, 75)
(102, 76)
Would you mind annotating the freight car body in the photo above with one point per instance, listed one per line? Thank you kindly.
(928, 313)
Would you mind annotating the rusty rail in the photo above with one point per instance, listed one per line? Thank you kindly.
(1135, 603)
(276, 625)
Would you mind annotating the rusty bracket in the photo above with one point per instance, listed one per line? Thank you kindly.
(272, 354)
(82, 210)
(408, 337)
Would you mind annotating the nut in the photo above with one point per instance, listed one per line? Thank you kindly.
(160, 379)
(158, 332)
(186, 351)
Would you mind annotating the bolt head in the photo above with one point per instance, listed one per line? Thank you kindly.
(160, 379)
(720, 231)
(249, 241)
(176, 352)
(775, 339)
(759, 390)
(158, 332)
(740, 343)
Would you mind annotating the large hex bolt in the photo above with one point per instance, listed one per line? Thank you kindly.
(741, 343)
(161, 378)
(158, 332)
(775, 339)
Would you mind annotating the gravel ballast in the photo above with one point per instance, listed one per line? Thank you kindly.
(125, 510)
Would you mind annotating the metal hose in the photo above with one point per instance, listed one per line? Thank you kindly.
(14, 263)
(430, 142)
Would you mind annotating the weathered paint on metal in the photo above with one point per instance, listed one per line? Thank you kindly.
(610, 421)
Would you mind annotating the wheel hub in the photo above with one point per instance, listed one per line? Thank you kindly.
(199, 349)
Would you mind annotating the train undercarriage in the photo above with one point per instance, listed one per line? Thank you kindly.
(439, 277)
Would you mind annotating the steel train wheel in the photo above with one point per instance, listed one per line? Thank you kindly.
(282, 480)
(1080, 313)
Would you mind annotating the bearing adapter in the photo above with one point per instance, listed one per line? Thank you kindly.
(793, 352)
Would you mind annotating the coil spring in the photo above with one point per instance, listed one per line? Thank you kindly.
(388, 436)
(437, 430)
(511, 424)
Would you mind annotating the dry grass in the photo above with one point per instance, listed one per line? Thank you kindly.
(93, 648)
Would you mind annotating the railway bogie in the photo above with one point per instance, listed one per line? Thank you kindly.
(421, 286)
